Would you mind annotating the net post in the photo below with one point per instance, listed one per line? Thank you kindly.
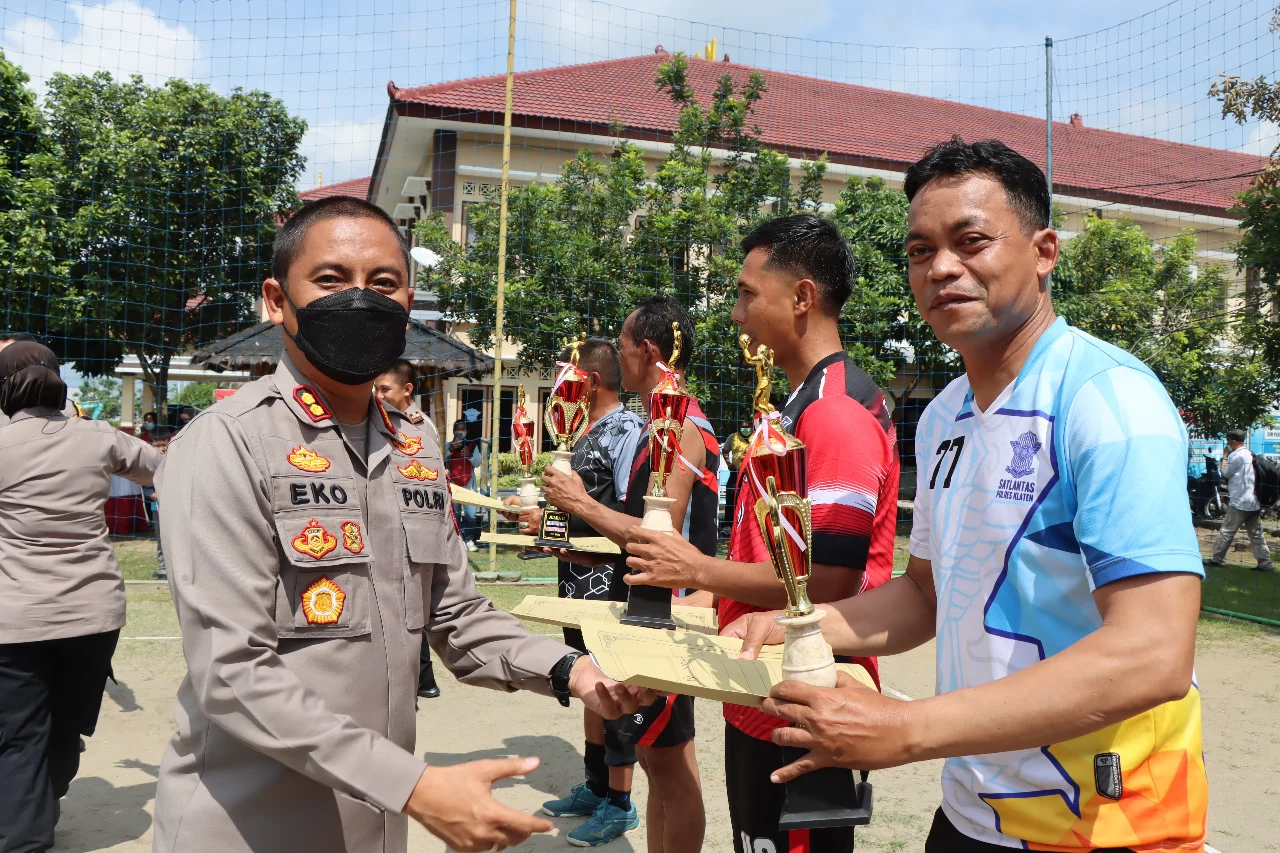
(502, 282)
(1048, 130)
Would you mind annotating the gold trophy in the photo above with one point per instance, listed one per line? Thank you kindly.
(566, 421)
(650, 606)
(777, 466)
(522, 437)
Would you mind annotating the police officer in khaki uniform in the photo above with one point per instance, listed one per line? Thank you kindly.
(316, 551)
(61, 594)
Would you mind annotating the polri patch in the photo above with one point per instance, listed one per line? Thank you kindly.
(322, 602)
(314, 540)
(407, 445)
(310, 402)
(305, 459)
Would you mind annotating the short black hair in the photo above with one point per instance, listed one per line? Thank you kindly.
(1237, 435)
(598, 355)
(653, 319)
(808, 246)
(19, 336)
(292, 233)
(1023, 182)
(403, 371)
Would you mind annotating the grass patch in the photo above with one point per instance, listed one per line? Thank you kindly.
(137, 558)
(1236, 587)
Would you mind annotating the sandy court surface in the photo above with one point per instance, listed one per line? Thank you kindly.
(109, 805)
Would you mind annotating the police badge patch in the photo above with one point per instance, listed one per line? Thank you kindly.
(1025, 447)
(322, 602)
(352, 539)
(314, 540)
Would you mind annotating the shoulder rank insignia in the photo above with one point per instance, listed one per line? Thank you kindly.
(415, 470)
(314, 540)
(306, 459)
(408, 445)
(416, 417)
(310, 402)
(352, 540)
(322, 602)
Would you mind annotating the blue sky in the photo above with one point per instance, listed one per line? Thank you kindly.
(1129, 66)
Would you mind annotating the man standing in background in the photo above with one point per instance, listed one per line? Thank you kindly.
(1243, 508)
(462, 472)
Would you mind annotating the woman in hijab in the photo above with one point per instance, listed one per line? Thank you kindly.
(61, 592)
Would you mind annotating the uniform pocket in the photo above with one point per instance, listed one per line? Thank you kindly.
(324, 588)
(426, 544)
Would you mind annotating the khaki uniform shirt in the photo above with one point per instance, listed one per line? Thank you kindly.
(303, 579)
(58, 571)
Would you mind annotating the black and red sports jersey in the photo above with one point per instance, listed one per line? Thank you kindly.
(840, 415)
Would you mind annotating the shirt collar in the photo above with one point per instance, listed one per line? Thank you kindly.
(37, 412)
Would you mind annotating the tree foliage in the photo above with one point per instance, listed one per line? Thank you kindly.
(1155, 303)
(166, 200)
(581, 252)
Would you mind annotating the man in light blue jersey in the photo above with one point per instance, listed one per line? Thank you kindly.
(1052, 558)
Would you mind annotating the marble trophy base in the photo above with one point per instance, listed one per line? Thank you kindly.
(529, 493)
(650, 606)
(827, 797)
(554, 532)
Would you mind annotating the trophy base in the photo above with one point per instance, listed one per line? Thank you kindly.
(805, 654)
(529, 494)
(650, 606)
(554, 532)
(824, 798)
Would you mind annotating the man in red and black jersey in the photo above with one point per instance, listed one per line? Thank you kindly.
(660, 736)
(797, 275)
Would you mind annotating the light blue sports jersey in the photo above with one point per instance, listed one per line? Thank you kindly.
(1074, 478)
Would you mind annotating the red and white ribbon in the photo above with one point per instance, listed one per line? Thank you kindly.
(567, 368)
(764, 435)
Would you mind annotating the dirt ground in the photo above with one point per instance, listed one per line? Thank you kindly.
(109, 806)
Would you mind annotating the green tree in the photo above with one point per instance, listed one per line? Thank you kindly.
(197, 394)
(1114, 283)
(168, 199)
(27, 212)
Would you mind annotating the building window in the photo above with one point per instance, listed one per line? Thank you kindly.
(468, 187)
(468, 232)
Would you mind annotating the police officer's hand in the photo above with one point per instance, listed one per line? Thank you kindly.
(662, 559)
(456, 805)
(756, 630)
(602, 694)
(564, 491)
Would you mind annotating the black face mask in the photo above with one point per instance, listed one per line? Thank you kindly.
(351, 336)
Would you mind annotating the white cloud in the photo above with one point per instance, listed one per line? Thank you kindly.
(1262, 139)
(119, 36)
(341, 150)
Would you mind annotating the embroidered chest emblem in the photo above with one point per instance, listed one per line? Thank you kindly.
(407, 445)
(314, 540)
(415, 470)
(306, 459)
(1025, 447)
(352, 539)
(322, 602)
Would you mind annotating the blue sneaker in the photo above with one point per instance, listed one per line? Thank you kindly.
(607, 822)
(580, 803)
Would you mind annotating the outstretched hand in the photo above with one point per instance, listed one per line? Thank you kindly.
(755, 630)
(456, 805)
(602, 694)
(662, 559)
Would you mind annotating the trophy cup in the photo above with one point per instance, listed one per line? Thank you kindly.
(566, 420)
(776, 462)
(522, 437)
(650, 606)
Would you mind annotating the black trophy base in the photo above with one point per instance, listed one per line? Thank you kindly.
(649, 607)
(824, 798)
(554, 531)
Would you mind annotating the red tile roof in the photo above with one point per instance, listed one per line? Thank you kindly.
(857, 125)
(356, 187)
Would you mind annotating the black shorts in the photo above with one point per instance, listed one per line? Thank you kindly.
(755, 803)
(945, 838)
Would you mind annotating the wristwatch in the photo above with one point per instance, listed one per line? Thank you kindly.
(559, 677)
